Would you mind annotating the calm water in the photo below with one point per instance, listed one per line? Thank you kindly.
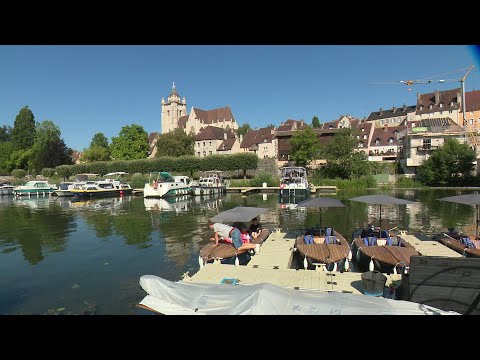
(58, 256)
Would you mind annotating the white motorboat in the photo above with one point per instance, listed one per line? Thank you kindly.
(166, 185)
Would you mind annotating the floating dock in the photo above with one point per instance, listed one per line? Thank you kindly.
(429, 247)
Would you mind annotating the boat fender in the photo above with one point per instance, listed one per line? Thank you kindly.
(350, 255)
(371, 266)
(200, 261)
(305, 262)
(395, 270)
(334, 266)
(358, 255)
(346, 266)
(236, 260)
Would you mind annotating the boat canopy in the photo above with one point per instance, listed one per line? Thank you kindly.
(165, 175)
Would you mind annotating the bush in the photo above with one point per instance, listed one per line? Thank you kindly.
(367, 181)
(18, 173)
(265, 177)
(47, 172)
(407, 182)
(138, 181)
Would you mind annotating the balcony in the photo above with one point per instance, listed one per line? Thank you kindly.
(427, 147)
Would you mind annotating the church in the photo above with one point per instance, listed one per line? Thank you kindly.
(174, 115)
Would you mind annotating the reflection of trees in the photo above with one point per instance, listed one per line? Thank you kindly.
(134, 225)
(102, 223)
(35, 231)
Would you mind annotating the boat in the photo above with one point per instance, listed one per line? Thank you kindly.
(189, 298)
(293, 182)
(461, 243)
(379, 249)
(103, 188)
(34, 187)
(322, 247)
(167, 185)
(210, 184)
(6, 189)
(64, 189)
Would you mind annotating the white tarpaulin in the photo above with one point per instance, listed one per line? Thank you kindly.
(186, 298)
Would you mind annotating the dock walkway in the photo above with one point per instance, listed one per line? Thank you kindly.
(429, 247)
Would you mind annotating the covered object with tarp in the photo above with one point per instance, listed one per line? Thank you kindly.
(186, 298)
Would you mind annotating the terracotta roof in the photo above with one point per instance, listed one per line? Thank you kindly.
(214, 116)
(290, 125)
(227, 144)
(182, 121)
(472, 100)
(253, 137)
(436, 98)
(330, 125)
(393, 112)
(366, 126)
(384, 134)
(213, 133)
(443, 124)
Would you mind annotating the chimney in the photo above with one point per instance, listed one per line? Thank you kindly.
(437, 97)
(385, 127)
(241, 138)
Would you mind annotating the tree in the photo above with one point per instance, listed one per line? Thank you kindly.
(242, 130)
(132, 143)
(175, 143)
(23, 133)
(342, 161)
(6, 150)
(451, 165)
(315, 122)
(100, 140)
(5, 133)
(95, 153)
(49, 149)
(305, 146)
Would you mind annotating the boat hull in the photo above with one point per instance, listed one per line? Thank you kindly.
(41, 192)
(88, 194)
(294, 192)
(166, 190)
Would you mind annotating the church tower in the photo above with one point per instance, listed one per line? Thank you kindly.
(172, 110)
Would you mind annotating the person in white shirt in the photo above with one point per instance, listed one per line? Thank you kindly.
(226, 231)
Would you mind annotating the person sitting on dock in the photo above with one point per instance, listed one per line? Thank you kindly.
(255, 228)
(226, 231)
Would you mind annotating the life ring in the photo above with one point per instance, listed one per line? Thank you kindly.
(282, 186)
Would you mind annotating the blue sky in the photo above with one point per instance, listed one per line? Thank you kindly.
(101, 88)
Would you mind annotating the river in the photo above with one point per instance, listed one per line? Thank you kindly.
(60, 256)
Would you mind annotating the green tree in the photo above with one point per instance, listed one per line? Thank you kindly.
(23, 133)
(100, 140)
(305, 146)
(451, 165)
(175, 143)
(315, 122)
(6, 150)
(5, 133)
(95, 153)
(132, 143)
(49, 149)
(342, 161)
(243, 129)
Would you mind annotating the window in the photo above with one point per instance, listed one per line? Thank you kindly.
(377, 141)
(470, 121)
(421, 107)
(198, 153)
(390, 141)
(198, 144)
(204, 153)
(358, 137)
(204, 143)
(427, 144)
(209, 153)
(441, 105)
(360, 144)
(365, 136)
(209, 143)
(430, 106)
(363, 129)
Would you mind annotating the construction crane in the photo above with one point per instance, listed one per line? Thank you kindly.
(432, 80)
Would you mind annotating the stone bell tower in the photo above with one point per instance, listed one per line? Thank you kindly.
(172, 109)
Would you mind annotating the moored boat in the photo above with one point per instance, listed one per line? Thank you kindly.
(293, 182)
(103, 188)
(210, 184)
(375, 249)
(323, 247)
(64, 189)
(35, 188)
(6, 189)
(461, 243)
(167, 185)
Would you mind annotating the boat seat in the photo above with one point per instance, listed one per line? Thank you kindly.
(393, 241)
(381, 242)
(332, 239)
(370, 241)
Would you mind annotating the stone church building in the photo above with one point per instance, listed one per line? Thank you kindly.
(174, 114)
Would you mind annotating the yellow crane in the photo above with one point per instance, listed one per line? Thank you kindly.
(472, 133)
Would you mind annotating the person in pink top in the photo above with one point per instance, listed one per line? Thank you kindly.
(227, 231)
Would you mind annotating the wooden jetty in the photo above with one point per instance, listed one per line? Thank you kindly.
(429, 248)
(246, 190)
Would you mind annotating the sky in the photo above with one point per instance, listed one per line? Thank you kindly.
(85, 89)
